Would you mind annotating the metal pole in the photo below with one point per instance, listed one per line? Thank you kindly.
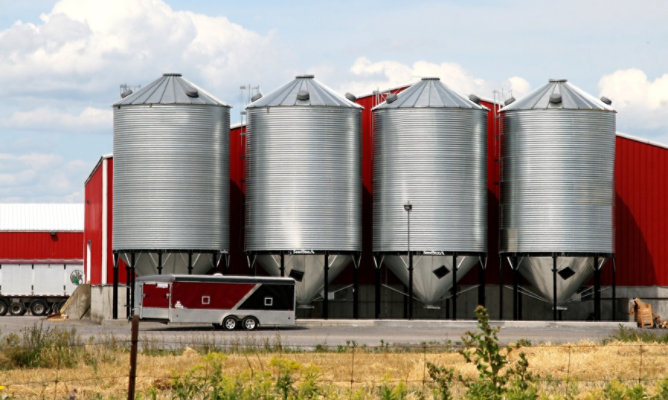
(454, 286)
(408, 207)
(554, 287)
(160, 263)
(481, 282)
(114, 293)
(133, 357)
(190, 263)
(325, 302)
(282, 266)
(597, 290)
(410, 285)
(356, 288)
(376, 311)
(516, 284)
(500, 287)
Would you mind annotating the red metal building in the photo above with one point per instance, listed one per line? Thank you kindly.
(640, 213)
(98, 257)
(41, 233)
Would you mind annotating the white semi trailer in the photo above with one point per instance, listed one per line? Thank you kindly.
(40, 288)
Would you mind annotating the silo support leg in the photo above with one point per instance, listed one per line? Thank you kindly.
(597, 290)
(356, 288)
(127, 291)
(376, 311)
(114, 293)
(516, 284)
(614, 288)
(500, 287)
(554, 288)
(132, 280)
(282, 266)
(481, 284)
(454, 286)
(325, 297)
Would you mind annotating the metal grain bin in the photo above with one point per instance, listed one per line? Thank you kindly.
(557, 187)
(303, 189)
(171, 181)
(430, 150)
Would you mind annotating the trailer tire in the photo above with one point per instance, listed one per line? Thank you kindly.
(3, 307)
(229, 323)
(250, 323)
(39, 307)
(17, 308)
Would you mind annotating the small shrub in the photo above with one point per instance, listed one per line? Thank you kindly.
(38, 347)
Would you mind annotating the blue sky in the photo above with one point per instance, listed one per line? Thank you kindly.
(62, 62)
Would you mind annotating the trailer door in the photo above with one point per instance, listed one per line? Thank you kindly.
(156, 300)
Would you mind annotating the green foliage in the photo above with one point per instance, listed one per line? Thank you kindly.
(39, 347)
(497, 377)
(624, 334)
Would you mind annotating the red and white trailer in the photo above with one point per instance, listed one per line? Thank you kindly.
(224, 301)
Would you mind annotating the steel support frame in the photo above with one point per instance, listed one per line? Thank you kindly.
(555, 256)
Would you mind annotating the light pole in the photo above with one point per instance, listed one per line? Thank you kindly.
(408, 207)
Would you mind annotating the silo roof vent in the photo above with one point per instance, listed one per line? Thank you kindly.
(256, 97)
(303, 95)
(555, 98)
(391, 98)
(474, 98)
(510, 100)
(350, 96)
(606, 100)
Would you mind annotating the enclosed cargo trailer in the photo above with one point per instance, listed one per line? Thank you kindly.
(224, 301)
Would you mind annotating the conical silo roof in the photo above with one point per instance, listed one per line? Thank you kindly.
(558, 94)
(171, 88)
(304, 90)
(428, 93)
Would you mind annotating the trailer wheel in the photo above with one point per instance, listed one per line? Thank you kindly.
(250, 323)
(39, 307)
(17, 308)
(3, 307)
(230, 323)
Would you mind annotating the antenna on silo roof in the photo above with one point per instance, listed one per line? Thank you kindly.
(127, 90)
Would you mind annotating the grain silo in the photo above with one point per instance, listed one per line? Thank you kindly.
(557, 188)
(170, 178)
(430, 188)
(303, 189)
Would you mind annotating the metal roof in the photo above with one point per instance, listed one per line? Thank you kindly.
(559, 94)
(171, 89)
(41, 217)
(304, 90)
(429, 93)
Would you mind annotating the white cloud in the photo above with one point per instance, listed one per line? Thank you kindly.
(41, 177)
(92, 47)
(369, 76)
(641, 103)
(89, 120)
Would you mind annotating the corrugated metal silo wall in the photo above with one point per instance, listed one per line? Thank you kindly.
(641, 214)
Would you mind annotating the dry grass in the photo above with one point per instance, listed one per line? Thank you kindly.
(105, 372)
